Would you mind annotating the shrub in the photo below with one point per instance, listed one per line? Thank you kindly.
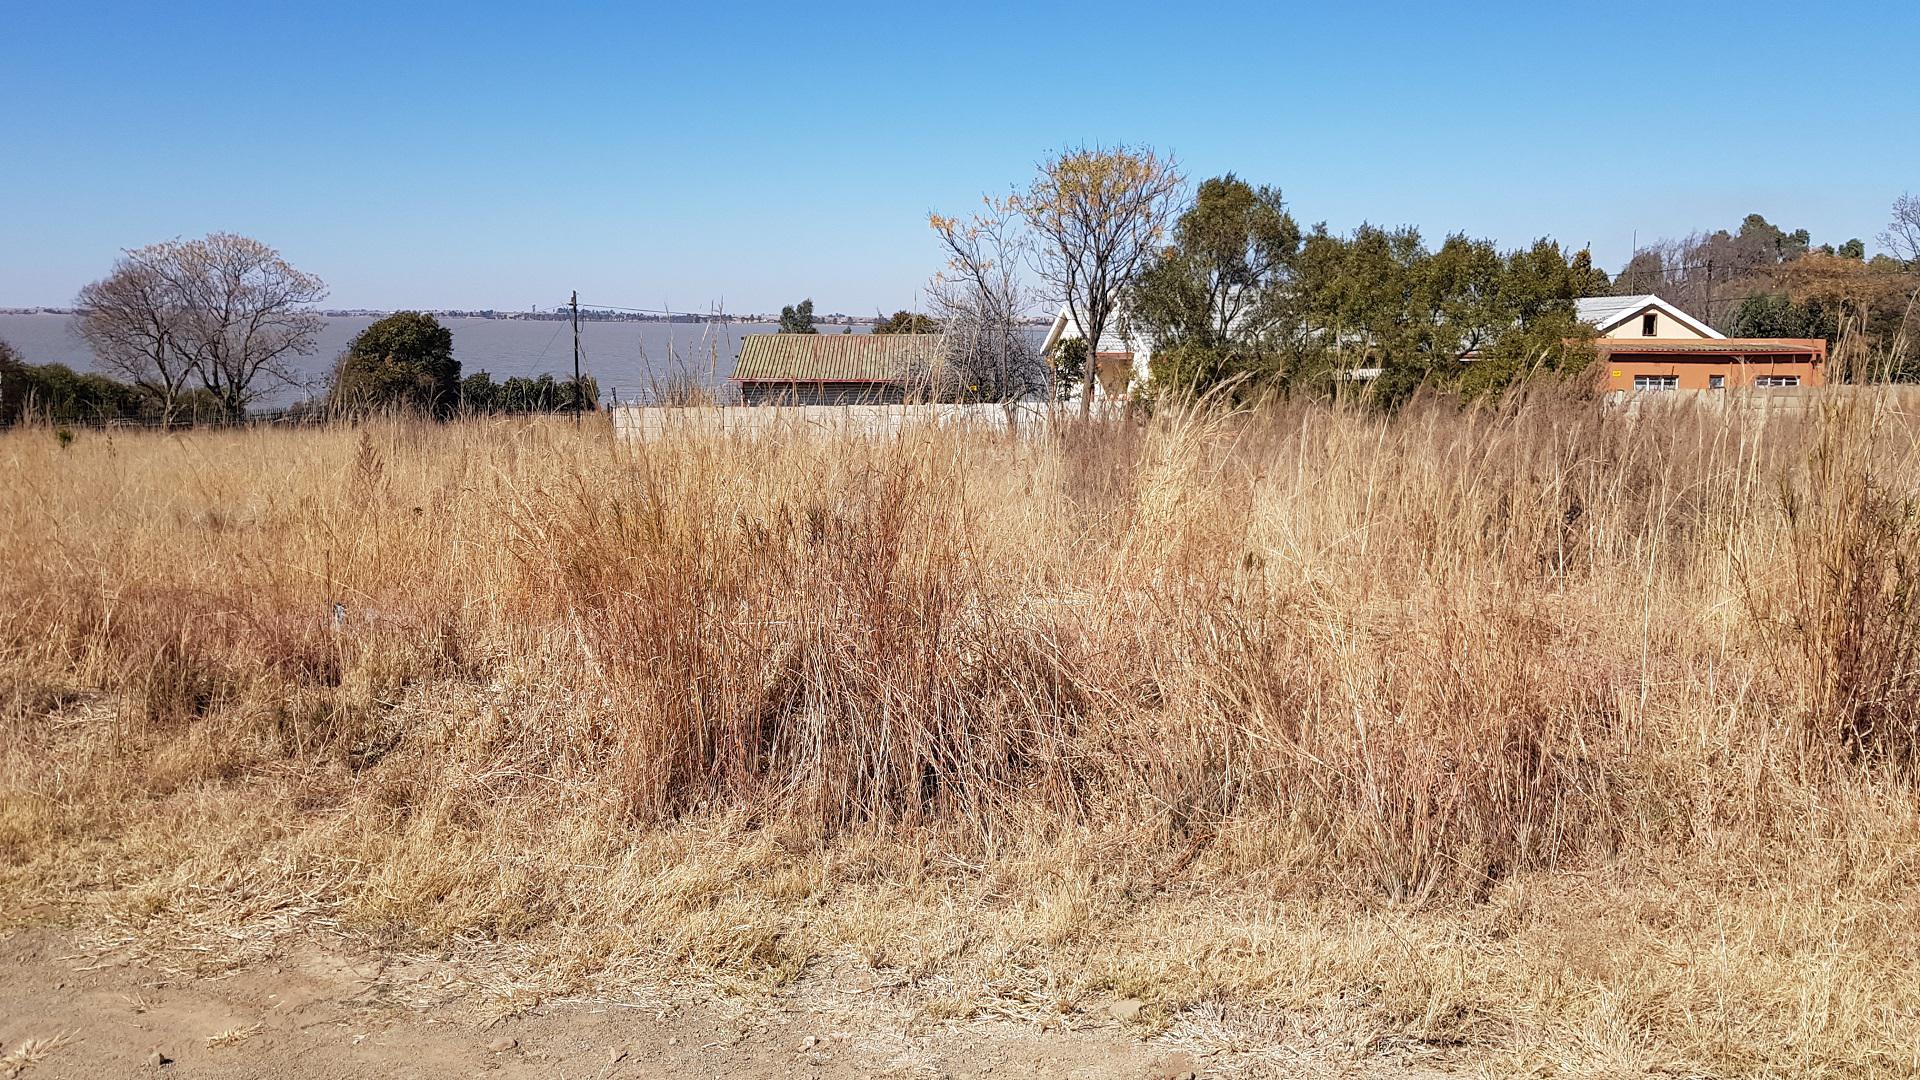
(404, 361)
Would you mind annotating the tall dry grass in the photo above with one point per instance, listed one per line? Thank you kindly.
(1537, 735)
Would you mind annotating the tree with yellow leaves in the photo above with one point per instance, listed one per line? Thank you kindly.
(1099, 214)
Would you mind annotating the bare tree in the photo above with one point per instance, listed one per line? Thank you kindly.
(1902, 237)
(1099, 214)
(223, 311)
(980, 301)
(129, 320)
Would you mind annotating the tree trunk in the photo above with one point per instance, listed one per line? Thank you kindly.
(1091, 376)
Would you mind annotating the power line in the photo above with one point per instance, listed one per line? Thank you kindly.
(709, 315)
(1629, 268)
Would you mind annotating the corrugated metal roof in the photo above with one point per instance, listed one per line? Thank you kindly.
(836, 357)
(1605, 312)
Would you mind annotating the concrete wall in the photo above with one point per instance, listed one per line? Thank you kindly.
(1783, 403)
(644, 422)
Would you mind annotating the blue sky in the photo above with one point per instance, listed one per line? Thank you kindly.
(495, 155)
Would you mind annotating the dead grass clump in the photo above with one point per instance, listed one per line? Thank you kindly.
(845, 662)
(1851, 615)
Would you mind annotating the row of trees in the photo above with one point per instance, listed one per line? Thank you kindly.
(60, 394)
(1243, 294)
(401, 363)
(1233, 291)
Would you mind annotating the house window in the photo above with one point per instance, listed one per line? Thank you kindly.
(1716, 382)
(1648, 324)
(1777, 380)
(1656, 382)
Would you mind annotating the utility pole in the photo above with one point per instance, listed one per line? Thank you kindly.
(574, 303)
(1709, 304)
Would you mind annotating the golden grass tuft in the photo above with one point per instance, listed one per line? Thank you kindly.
(30, 1052)
(1538, 736)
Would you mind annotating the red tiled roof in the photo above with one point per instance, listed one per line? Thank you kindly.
(1712, 346)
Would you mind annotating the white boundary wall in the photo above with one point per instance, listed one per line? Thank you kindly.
(652, 421)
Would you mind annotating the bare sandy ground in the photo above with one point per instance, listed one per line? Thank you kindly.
(67, 1010)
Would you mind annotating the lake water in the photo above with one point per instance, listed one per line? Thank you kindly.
(628, 358)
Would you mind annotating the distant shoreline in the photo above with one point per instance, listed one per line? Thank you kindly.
(586, 315)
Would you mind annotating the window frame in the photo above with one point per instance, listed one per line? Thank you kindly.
(1655, 383)
(1649, 324)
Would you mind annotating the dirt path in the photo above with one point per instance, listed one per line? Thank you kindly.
(68, 1013)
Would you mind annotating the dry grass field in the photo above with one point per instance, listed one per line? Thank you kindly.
(1532, 739)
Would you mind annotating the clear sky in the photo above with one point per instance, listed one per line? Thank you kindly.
(494, 155)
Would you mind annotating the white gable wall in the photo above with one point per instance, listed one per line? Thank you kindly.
(1110, 342)
(1622, 317)
(1665, 326)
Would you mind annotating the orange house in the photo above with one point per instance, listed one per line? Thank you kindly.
(1652, 364)
(1646, 344)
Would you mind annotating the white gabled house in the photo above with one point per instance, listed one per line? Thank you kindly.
(1647, 345)
(1643, 316)
(1122, 360)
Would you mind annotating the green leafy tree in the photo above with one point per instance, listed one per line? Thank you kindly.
(1767, 315)
(1551, 342)
(404, 361)
(1368, 301)
(1466, 316)
(907, 322)
(798, 318)
(1588, 279)
(478, 392)
(1211, 298)
(1531, 328)
(1760, 242)
(1069, 361)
